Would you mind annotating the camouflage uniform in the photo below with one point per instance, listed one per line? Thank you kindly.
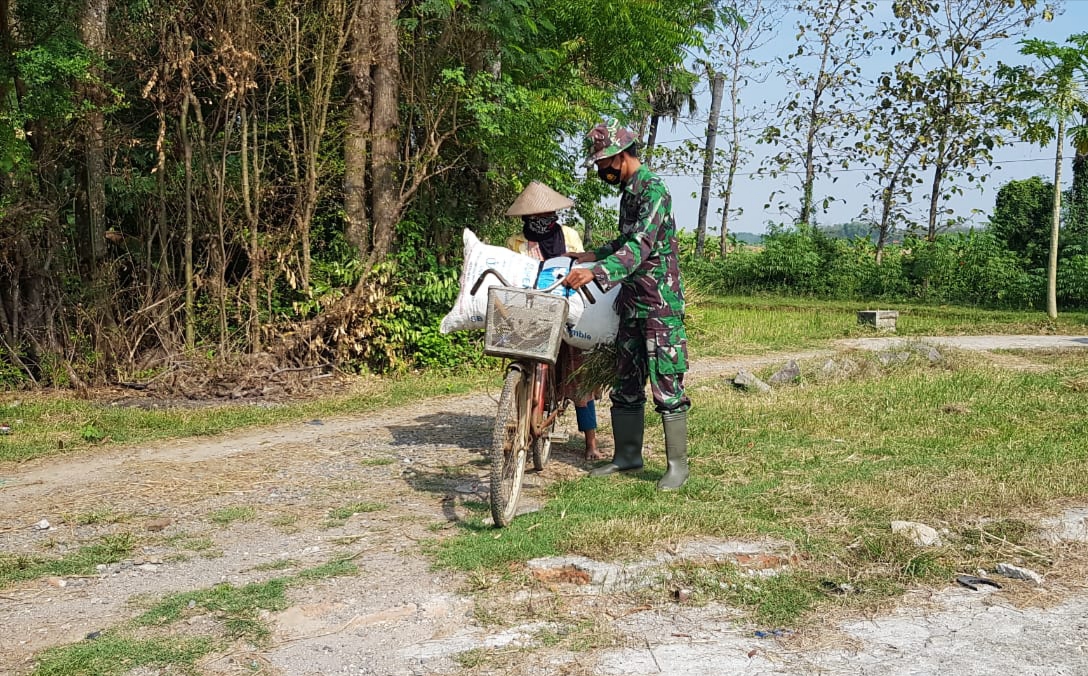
(651, 341)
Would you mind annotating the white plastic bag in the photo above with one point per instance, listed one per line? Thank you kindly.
(598, 322)
(470, 311)
(557, 268)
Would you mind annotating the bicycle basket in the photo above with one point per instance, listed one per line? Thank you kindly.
(524, 324)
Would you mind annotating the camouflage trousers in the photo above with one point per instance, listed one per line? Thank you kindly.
(654, 349)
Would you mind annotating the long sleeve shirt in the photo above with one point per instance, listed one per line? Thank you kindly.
(645, 257)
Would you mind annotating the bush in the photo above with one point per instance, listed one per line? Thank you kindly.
(974, 268)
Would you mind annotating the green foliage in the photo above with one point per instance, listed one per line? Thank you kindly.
(971, 268)
(1022, 218)
(1073, 281)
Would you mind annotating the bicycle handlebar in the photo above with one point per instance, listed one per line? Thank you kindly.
(480, 280)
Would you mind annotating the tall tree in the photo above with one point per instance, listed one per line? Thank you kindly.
(947, 74)
(833, 37)
(669, 96)
(891, 140)
(717, 85)
(1058, 94)
(91, 216)
(735, 46)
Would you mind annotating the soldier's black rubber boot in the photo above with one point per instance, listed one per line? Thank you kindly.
(676, 449)
(628, 425)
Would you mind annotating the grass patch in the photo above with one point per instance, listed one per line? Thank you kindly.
(279, 564)
(99, 517)
(340, 515)
(115, 654)
(732, 325)
(229, 515)
(357, 508)
(20, 567)
(120, 650)
(960, 446)
(201, 545)
(237, 606)
(338, 568)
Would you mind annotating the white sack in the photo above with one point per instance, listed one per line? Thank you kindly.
(469, 311)
(599, 322)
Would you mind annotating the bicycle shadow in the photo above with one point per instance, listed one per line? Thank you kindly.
(465, 482)
(442, 434)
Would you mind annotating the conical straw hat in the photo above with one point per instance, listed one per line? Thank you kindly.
(538, 199)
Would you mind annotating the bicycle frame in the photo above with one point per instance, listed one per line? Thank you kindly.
(545, 392)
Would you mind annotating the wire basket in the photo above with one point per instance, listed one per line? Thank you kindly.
(524, 324)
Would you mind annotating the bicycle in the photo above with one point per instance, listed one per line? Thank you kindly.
(525, 326)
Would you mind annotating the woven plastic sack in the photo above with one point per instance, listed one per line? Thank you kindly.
(469, 311)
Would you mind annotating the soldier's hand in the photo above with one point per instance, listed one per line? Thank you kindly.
(583, 257)
(577, 278)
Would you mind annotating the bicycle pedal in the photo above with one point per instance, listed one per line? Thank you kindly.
(558, 437)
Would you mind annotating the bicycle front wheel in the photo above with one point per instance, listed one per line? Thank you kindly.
(509, 447)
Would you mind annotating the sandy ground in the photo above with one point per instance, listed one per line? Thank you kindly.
(399, 616)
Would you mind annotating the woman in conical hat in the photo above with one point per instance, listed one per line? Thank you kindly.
(542, 237)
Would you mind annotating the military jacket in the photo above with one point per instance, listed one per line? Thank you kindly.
(645, 257)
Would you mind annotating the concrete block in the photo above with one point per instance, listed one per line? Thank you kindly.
(880, 319)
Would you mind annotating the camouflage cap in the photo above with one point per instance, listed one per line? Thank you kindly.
(607, 139)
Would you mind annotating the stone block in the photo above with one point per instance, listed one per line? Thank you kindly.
(880, 319)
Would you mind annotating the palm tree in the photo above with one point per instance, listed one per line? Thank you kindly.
(669, 97)
(1058, 94)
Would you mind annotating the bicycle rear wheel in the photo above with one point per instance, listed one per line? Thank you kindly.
(509, 446)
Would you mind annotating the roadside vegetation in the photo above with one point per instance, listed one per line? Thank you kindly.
(60, 422)
(823, 466)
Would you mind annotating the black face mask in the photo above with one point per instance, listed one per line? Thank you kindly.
(609, 174)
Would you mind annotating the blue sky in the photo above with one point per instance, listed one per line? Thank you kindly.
(751, 192)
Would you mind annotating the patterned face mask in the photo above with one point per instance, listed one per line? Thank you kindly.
(539, 225)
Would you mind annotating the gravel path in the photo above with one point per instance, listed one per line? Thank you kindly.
(416, 466)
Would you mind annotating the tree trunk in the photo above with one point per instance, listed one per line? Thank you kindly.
(190, 291)
(734, 153)
(251, 186)
(935, 193)
(91, 214)
(360, 56)
(717, 85)
(1055, 225)
(386, 201)
(651, 140)
(885, 218)
(805, 217)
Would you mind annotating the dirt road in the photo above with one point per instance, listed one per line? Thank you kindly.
(259, 504)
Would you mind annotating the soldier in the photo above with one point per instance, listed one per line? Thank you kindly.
(651, 342)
